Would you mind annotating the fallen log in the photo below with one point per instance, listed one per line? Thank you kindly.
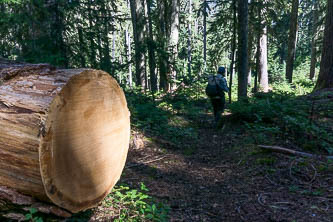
(21, 201)
(279, 149)
(64, 133)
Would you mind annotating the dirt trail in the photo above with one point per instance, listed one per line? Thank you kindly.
(221, 178)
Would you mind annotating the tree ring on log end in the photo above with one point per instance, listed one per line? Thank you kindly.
(83, 150)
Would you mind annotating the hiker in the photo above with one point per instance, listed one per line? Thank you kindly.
(217, 85)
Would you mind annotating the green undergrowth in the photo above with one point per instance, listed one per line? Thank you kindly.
(123, 204)
(169, 116)
(126, 204)
(286, 118)
(287, 115)
(31, 216)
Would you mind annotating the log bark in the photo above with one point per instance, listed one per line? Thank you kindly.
(64, 134)
(23, 202)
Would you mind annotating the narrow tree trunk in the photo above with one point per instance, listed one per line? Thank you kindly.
(106, 50)
(146, 75)
(250, 44)
(146, 55)
(129, 56)
(242, 48)
(151, 50)
(100, 49)
(313, 59)
(314, 40)
(262, 50)
(113, 53)
(283, 53)
(138, 20)
(189, 39)
(58, 32)
(233, 47)
(92, 47)
(292, 40)
(173, 43)
(249, 76)
(205, 32)
(163, 57)
(325, 78)
(64, 134)
(82, 48)
(255, 87)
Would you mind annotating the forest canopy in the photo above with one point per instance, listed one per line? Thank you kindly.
(268, 157)
(157, 45)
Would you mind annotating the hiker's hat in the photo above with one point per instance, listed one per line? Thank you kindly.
(221, 70)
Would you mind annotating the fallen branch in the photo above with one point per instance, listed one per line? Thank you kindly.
(294, 152)
(146, 162)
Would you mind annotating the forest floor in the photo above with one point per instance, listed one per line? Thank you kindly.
(205, 174)
(223, 179)
(220, 175)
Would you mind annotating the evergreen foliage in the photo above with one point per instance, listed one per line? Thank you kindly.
(161, 52)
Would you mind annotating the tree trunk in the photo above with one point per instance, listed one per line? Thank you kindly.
(64, 134)
(173, 43)
(233, 47)
(113, 50)
(262, 48)
(57, 31)
(250, 44)
(92, 47)
(255, 87)
(189, 40)
(314, 40)
(151, 50)
(292, 41)
(242, 48)
(107, 65)
(82, 48)
(325, 78)
(12, 201)
(99, 48)
(205, 32)
(163, 57)
(249, 76)
(138, 20)
(283, 53)
(129, 56)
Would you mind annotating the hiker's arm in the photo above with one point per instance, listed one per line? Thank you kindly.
(223, 84)
(226, 85)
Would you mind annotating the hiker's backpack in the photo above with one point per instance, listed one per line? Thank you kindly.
(212, 88)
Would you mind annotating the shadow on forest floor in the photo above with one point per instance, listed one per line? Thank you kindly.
(209, 175)
(205, 174)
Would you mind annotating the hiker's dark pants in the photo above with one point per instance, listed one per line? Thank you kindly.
(218, 106)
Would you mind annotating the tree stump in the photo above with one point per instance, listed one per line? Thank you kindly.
(64, 133)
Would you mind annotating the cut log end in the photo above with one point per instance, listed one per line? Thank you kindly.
(64, 134)
(85, 140)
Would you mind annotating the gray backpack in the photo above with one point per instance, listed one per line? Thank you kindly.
(212, 88)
